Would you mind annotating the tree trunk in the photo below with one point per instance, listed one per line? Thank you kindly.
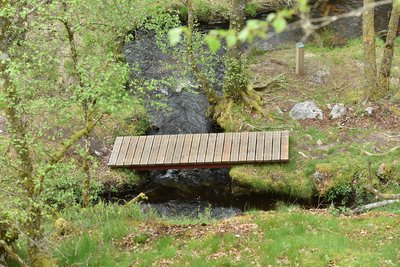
(370, 81)
(236, 76)
(86, 171)
(211, 95)
(388, 51)
(11, 32)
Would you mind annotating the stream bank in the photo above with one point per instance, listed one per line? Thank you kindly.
(186, 113)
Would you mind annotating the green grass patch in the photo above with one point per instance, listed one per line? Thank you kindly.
(289, 236)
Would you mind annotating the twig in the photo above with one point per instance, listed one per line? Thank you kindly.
(304, 155)
(377, 154)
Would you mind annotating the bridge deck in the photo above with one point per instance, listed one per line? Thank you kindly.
(210, 150)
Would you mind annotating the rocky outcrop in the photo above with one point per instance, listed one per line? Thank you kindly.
(185, 110)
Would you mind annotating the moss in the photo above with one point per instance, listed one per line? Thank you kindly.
(291, 178)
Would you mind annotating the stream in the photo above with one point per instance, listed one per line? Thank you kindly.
(199, 191)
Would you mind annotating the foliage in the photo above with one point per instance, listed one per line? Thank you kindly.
(63, 188)
(62, 67)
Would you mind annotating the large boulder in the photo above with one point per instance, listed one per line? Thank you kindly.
(187, 181)
(306, 110)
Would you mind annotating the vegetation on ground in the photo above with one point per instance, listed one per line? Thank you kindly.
(66, 93)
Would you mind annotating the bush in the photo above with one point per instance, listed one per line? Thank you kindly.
(63, 188)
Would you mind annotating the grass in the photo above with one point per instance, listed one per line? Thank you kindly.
(286, 237)
(337, 152)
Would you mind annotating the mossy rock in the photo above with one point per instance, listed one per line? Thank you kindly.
(7, 233)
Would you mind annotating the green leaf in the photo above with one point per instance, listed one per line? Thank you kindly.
(279, 24)
(231, 40)
(175, 35)
(271, 17)
(213, 43)
(244, 34)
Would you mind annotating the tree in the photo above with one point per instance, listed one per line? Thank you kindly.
(369, 50)
(388, 50)
(41, 87)
(377, 82)
(236, 86)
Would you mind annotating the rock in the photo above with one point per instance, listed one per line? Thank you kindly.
(338, 111)
(319, 77)
(192, 209)
(192, 180)
(319, 142)
(279, 111)
(306, 110)
(369, 111)
(185, 112)
(321, 181)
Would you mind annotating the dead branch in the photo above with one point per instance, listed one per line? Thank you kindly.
(375, 205)
(377, 154)
(380, 195)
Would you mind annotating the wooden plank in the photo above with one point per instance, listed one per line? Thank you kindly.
(163, 149)
(131, 150)
(226, 152)
(115, 151)
(276, 153)
(260, 146)
(251, 149)
(123, 151)
(285, 146)
(204, 149)
(219, 146)
(244, 141)
(147, 150)
(139, 150)
(201, 154)
(195, 148)
(155, 149)
(235, 147)
(268, 146)
(178, 149)
(212, 138)
(186, 148)
(171, 149)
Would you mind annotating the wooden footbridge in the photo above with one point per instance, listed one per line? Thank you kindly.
(210, 150)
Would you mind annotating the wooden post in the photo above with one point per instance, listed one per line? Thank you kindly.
(300, 59)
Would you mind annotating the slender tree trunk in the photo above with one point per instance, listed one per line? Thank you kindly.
(388, 51)
(236, 78)
(370, 81)
(86, 112)
(86, 171)
(212, 96)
